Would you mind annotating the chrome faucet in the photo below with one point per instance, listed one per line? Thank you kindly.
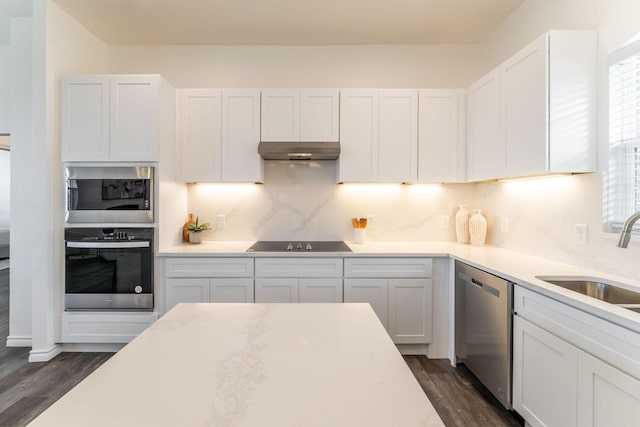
(625, 233)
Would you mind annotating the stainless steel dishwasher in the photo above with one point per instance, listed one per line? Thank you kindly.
(484, 328)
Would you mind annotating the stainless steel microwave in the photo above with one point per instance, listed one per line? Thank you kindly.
(105, 195)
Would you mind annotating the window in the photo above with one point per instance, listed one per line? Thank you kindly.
(623, 182)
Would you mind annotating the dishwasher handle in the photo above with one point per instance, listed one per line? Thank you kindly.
(485, 287)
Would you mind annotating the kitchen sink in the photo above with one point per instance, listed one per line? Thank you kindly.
(597, 288)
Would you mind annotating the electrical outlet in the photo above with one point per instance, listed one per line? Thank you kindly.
(504, 224)
(370, 219)
(221, 221)
(444, 221)
(582, 234)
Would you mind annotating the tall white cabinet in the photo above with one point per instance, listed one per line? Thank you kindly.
(110, 118)
(219, 136)
(536, 112)
(378, 135)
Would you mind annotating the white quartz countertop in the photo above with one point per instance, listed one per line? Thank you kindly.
(514, 266)
(252, 365)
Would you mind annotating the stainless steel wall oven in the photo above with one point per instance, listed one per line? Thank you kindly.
(108, 269)
(109, 194)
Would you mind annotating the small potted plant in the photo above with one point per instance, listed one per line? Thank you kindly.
(195, 231)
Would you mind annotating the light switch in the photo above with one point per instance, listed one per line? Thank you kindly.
(582, 234)
(221, 221)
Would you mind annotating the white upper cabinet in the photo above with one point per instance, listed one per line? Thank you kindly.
(201, 135)
(398, 146)
(541, 102)
(220, 132)
(133, 118)
(378, 136)
(319, 115)
(240, 136)
(485, 148)
(110, 118)
(85, 118)
(299, 115)
(359, 117)
(441, 130)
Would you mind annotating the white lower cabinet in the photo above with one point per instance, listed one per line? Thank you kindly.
(209, 290)
(291, 280)
(544, 376)
(399, 291)
(293, 289)
(222, 280)
(104, 328)
(372, 291)
(571, 368)
(606, 395)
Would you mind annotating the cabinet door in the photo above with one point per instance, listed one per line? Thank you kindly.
(441, 147)
(200, 135)
(410, 308)
(524, 100)
(320, 290)
(359, 114)
(186, 290)
(280, 115)
(544, 376)
(134, 115)
(485, 149)
(372, 291)
(319, 115)
(240, 161)
(283, 289)
(85, 118)
(398, 145)
(231, 290)
(606, 395)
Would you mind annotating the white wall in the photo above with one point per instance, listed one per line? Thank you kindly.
(5, 182)
(21, 138)
(543, 213)
(400, 66)
(47, 45)
(5, 88)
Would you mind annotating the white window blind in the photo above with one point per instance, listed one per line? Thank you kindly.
(623, 186)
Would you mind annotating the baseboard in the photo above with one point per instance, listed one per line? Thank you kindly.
(412, 349)
(17, 341)
(45, 355)
(92, 348)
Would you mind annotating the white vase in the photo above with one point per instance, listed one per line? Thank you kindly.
(477, 228)
(195, 238)
(462, 225)
(359, 235)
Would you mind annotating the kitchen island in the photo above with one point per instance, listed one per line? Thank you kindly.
(252, 365)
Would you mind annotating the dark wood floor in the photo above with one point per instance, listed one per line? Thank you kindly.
(457, 395)
(27, 389)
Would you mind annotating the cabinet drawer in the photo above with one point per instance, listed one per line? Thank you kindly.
(298, 267)
(388, 267)
(209, 267)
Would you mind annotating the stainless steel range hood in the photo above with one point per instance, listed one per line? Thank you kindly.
(299, 150)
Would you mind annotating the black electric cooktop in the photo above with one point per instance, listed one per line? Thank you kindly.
(299, 246)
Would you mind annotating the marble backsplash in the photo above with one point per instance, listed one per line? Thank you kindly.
(301, 201)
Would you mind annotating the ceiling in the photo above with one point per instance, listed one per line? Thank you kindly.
(289, 22)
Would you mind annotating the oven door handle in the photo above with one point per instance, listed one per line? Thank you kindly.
(109, 245)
